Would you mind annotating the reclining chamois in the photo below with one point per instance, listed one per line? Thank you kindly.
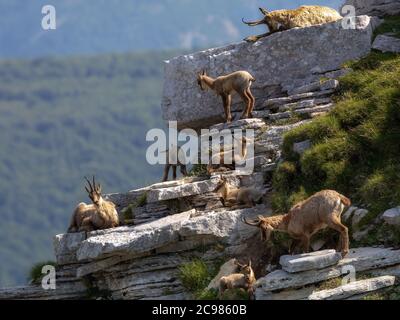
(237, 198)
(227, 160)
(304, 16)
(323, 209)
(244, 280)
(239, 82)
(97, 216)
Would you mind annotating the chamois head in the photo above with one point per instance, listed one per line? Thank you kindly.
(264, 225)
(245, 268)
(94, 191)
(200, 80)
(266, 20)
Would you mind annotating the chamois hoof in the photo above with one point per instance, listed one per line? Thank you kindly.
(251, 39)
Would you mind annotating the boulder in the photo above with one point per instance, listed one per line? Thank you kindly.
(379, 8)
(310, 261)
(386, 43)
(392, 216)
(318, 49)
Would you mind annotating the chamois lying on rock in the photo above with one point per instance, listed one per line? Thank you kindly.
(97, 216)
(243, 280)
(227, 160)
(304, 16)
(237, 198)
(174, 156)
(323, 209)
(239, 82)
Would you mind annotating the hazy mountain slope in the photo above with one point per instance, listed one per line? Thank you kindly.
(107, 26)
(62, 119)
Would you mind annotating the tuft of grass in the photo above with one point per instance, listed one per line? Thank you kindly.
(330, 284)
(355, 148)
(195, 275)
(35, 273)
(198, 170)
(235, 294)
(128, 212)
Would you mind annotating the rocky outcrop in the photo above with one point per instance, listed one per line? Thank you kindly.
(309, 261)
(291, 61)
(386, 43)
(378, 8)
(392, 216)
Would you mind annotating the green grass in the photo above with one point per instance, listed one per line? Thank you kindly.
(355, 148)
(390, 25)
(129, 212)
(35, 274)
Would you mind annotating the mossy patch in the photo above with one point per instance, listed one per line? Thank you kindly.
(390, 25)
(128, 212)
(35, 273)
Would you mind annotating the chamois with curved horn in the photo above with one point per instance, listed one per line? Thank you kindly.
(101, 214)
(304, 16)
(322, 210)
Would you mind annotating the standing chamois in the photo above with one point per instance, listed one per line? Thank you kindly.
(304, 16)
(174, 155)
(239, 82)
(237, 198)
(323, 209)
(227, 160)
(243, 280)
(97, 216)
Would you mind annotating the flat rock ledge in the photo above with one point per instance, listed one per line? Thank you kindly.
(310, 261)
(386, 43)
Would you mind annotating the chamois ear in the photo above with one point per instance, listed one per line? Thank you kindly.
(204, 72)
(264, 11)
(249, 263)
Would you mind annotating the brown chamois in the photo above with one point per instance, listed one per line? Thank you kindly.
(322, 210)
(243, 280)
(237, 198)
(227, 160)
(304, 16)
(174, 165)
(239, 82)
(97, 216)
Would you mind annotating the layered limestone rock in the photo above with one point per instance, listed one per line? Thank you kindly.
(379, 8)
(284, 61)
(386, 43)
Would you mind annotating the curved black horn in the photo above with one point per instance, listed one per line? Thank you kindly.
(254, 223)
(90, 185)
(253, 23)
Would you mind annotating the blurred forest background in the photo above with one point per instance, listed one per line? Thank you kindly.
(80, 99)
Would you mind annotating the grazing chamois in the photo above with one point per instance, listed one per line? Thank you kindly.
(237, 198)
(243, 280)
(304, 16)
(323, 209)
(239, 82)
(227, 160)
(97, 216)
(175, 163)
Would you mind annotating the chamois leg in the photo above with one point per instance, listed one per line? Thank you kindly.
(86, 225)
(247, 102)
(166, 172)
(226, 99)
(174, 172)
(335, 224)
(253, 102)
(256, 38)
(183, 170)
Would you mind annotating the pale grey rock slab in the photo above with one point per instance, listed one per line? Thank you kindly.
(386, 43)
(379, 8)
(310, 261)
(355, 288)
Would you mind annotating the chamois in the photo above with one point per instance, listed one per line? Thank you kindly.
(243, 280)
(239, 82)
(175, 163)
(323, 209)
(238, 198)
(97, 216)
(304, 16)
(224, 160)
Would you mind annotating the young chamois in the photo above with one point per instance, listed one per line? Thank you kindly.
(237, 198)
(243, 280)
(321, 210)
(227, 160)
(239, 82)
(97, 216)
(173, 162)
(304, 16)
